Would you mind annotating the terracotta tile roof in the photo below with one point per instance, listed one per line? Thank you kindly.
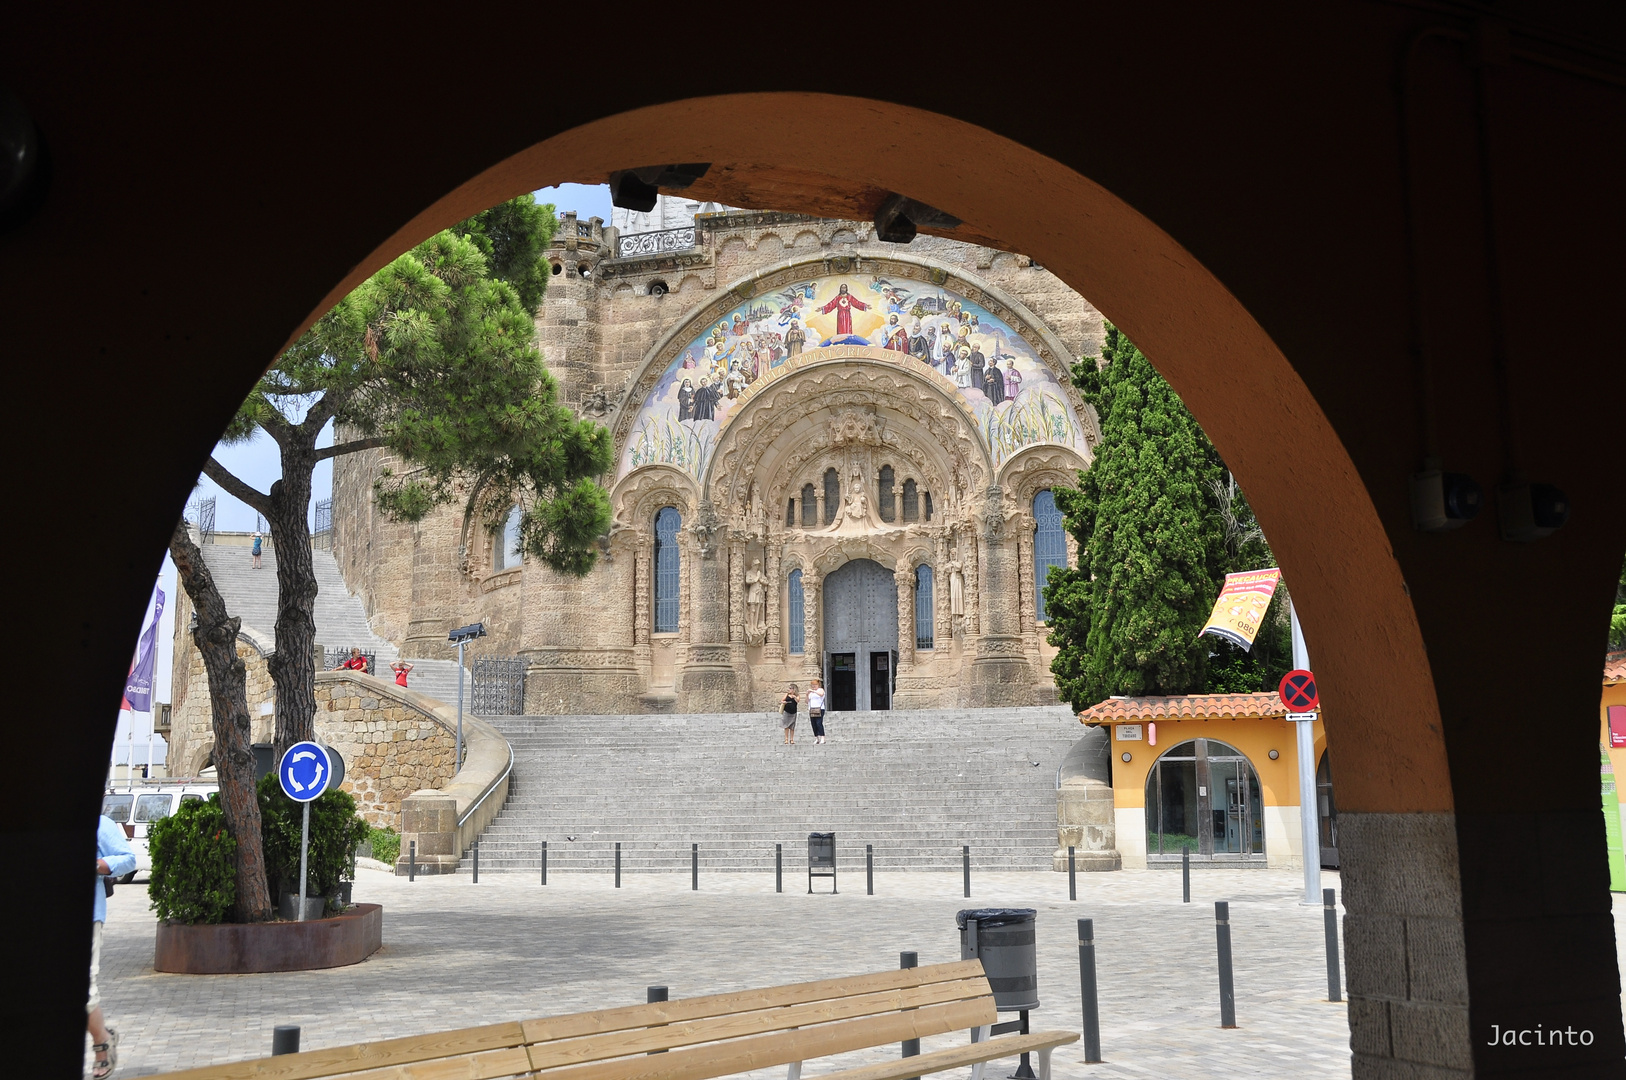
(1183, 707)
(1614, 668)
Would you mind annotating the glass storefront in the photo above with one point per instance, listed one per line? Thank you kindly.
(1204, 795)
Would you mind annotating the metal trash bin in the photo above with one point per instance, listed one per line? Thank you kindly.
(1003, 939)
(821, 858)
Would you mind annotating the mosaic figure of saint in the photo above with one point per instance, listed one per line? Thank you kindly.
(897, 338)
(1013, 379)
(962, 368)
(686, 401)
(993, 381)
(843, 304)
(977, 379)
(705, 401)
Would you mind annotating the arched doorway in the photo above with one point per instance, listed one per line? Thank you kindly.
(1326, 814)
(1204, 794)
(860, 635)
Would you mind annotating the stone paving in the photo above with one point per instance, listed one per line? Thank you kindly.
(458, 954)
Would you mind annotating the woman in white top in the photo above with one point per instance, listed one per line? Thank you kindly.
(815, 709)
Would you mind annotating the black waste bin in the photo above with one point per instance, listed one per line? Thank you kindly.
(1003, 939)
(821, 858)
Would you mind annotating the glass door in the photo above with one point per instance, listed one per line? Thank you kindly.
(1204, 795)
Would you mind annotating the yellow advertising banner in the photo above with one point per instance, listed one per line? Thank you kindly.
(1240, 607)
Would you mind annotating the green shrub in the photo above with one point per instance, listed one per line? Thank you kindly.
(335, 831)
(386, 845)
(193, 877)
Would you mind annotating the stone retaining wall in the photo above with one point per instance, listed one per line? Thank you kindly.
(394, 741)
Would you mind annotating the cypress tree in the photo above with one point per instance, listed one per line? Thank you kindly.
(1151, 543)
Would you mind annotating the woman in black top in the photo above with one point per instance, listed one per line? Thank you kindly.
(787, 715)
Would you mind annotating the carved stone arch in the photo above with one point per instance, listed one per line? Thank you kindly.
(914, 555)
(1037, 468)
(1046, 344)
(848, 548)
(198, 760)
(887, 402)
(635, 500)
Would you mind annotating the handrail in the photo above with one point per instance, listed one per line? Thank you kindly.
(489, 788)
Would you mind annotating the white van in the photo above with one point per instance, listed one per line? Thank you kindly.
(136, 810)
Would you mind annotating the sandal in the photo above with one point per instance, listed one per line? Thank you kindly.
(102, 1069)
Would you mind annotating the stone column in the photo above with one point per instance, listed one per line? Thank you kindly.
(1000, 672)
(904, 577)
(642, 591)
(942, 602)
(708, 682)
(812, 609)
(774, 647)
(1028, 606)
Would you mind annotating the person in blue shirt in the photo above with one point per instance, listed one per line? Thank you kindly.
(114, 858)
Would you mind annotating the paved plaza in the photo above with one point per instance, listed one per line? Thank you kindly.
(458, 954)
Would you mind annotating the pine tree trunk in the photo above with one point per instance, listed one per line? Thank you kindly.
(216, 639)
(293, 665)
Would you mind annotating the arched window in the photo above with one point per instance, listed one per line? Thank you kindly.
(911, 501)
(790, 513)
(832, 495)
(923, 607)
(668, 575)
(796, 611)
(1204, 794)
(928, 497)
(1049, 545)
(810, 507)
(505, 551)
(886, 500)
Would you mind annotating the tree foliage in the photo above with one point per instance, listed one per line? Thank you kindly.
(433, 359)
(1617, 623)
(1151, 543)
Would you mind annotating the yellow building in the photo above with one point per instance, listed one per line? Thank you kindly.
(1612, 737)
(1215, 772)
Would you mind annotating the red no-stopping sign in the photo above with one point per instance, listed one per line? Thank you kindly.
(1298, 691)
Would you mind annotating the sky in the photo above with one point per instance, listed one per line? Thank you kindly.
(255, 463)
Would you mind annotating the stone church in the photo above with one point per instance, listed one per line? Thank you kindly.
(834, 457)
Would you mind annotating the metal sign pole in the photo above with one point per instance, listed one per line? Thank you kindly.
(457, 761)
(304, 857)
(1309, 821)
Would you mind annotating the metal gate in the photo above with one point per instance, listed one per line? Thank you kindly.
(499, 686)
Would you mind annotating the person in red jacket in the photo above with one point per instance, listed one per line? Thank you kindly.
(401, 669)
(357, 662)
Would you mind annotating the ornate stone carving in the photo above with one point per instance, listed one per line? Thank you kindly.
(704, 530)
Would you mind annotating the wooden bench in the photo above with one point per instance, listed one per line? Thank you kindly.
(695, 1038)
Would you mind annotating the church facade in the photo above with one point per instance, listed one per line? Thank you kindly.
(834, 458)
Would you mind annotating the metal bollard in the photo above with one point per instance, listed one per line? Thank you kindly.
(1185, 873)
(1222, 935)
(1329, 902)
(544, 862)
(412, 860)
(906, 960)
(477, 862)
(652, 995)
(965, 855)
(284, 1039)
(869, 868)
(1072, 875)
(618, 864)
(779, 868)
(1086, 982)
(694, 867)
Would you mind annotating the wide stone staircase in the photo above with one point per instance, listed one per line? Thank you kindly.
(916, 785)
(341, 619)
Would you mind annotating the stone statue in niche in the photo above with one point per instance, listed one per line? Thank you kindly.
(756, 604)
(956, 589)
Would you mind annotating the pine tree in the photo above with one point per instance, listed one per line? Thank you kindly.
(1151, 545)
(433, 358)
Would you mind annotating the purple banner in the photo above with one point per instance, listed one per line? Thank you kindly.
(138, 687)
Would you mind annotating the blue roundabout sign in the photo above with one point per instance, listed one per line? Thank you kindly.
(305, 771)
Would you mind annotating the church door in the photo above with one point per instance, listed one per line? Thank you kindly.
(860, 635)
